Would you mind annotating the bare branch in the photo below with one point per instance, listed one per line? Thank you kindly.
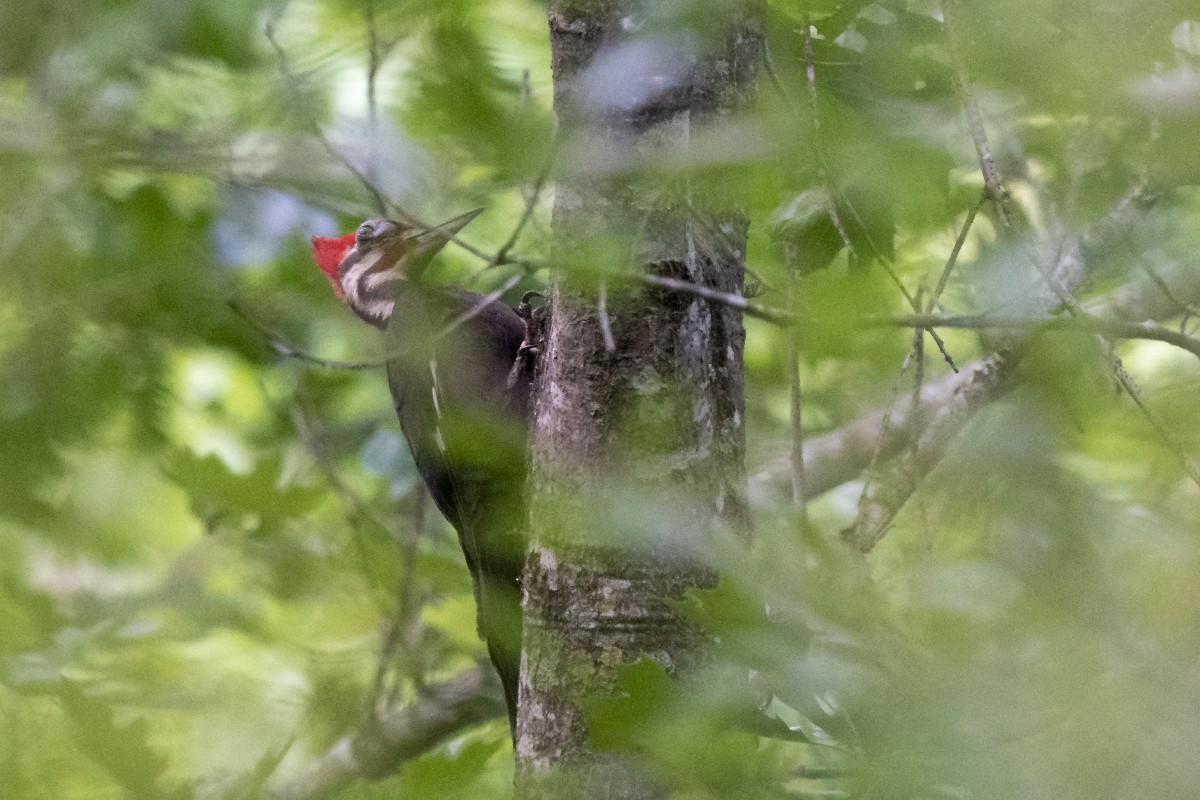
(732, 300)
(382, 203)
(841, 455)
(954, 252)
(378, 198)
(985, 381)
(539, 184)
(796, 408)
(1118, 329)
(993, 184)
(381, 745)
(880, 504)
(1075, 309)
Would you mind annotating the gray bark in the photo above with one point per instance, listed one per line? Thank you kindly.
(642, 400)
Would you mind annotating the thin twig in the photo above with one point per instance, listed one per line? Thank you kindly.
(478, 308)
(819, 773)
(355, 507)
(796, 407)
(1126, 330)
(870, 471)
(403, 622)
(373, 61)
(983, 149)
(810, 72)
(732, 300)
(1139, 398)
(1119, 329)
(524, 92)
(288, 351)
(1187, 308)
(915, 414)
(274, 341)
(539, 184)
(891, 491)
(382, 203)
(950, 262)
(769, 67)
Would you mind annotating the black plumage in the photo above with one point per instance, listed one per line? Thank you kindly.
(463, 409)
(461, 390)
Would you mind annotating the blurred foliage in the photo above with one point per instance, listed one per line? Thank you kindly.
(201, 541)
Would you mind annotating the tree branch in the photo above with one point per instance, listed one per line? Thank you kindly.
(1116, 328)
(993, 184)
(737, 301)
(796, 405)
(841, 455)
(380, 746)
(381, 202)
(880, 503)
(286, 350)
(986, 381)
(950, 262)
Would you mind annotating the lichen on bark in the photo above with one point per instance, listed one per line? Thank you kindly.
(638, 450)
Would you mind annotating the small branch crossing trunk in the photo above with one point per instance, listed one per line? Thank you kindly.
(638, 442)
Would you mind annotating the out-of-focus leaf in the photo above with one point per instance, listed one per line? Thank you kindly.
(442, 775)
(122, 750)
(623, 719)
(256, 500)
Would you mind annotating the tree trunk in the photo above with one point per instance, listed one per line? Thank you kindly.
(639, 394)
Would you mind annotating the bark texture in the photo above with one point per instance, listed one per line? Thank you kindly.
(639, 397)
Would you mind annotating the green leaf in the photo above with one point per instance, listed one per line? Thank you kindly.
(256, 501)
(619, 721)
(123, 750)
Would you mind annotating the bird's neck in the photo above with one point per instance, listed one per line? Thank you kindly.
(374, 300)
(377, 312)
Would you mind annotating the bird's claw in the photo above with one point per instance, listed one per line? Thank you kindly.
(530, 348)
(524, 309)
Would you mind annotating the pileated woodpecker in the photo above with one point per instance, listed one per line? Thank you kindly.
(461, 392)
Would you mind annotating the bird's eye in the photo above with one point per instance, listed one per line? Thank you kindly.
(365, 232)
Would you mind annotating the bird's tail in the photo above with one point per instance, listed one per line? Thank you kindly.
(500, 627)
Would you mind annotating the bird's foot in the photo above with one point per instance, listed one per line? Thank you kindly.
(526, 311)
(530, 348)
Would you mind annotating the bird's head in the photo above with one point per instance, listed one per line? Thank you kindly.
(365, 266)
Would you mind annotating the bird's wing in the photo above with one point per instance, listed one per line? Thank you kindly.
(466, 425)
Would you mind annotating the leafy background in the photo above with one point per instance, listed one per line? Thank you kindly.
(204, 544)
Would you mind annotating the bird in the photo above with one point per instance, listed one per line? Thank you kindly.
(459, 370)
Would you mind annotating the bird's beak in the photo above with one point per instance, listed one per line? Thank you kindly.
(414, 251)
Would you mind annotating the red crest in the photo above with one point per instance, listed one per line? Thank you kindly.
(328, 253)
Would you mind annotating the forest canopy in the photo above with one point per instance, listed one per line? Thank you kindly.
(972, 292)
